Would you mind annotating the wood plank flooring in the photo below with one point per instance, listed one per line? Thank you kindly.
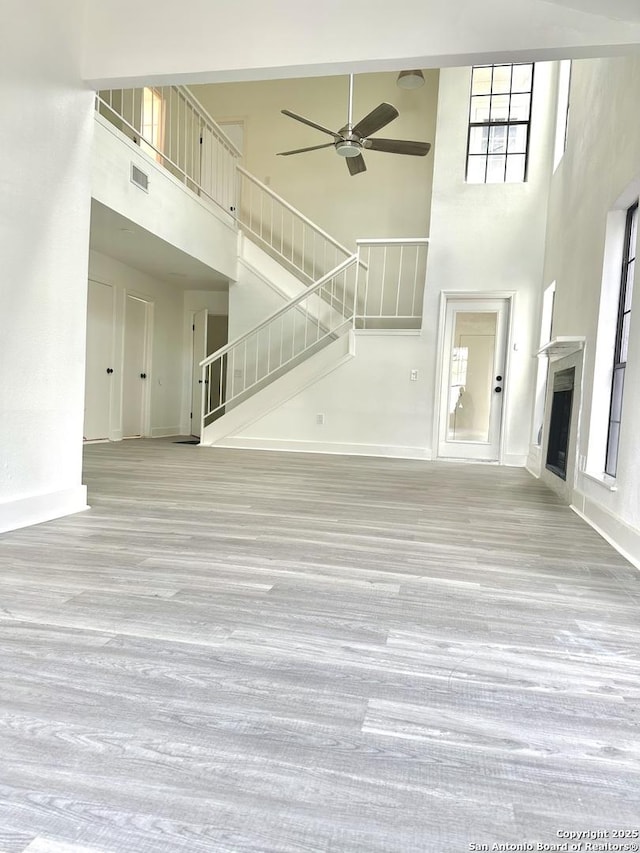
(242, 652)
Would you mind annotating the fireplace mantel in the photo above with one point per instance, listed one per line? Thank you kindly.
(561, 347)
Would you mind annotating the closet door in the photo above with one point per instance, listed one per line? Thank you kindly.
(99, 369)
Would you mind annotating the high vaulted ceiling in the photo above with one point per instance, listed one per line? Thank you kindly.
(200, 41)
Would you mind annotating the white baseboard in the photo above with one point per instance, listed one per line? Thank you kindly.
(624, 538)
(515, 460)
(164, 432)
(38, 508)
(333, 448)
(533, 462)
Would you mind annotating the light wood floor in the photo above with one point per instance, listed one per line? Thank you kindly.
(238, 651)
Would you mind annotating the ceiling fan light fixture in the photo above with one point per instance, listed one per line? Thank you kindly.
(348, 148)
(351, 140)
(410, 79)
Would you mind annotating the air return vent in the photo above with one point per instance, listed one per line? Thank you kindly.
(139, 178)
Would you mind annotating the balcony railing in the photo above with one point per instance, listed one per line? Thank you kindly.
(175, 130)
(172, 127)
(284, 232)
(391, 279)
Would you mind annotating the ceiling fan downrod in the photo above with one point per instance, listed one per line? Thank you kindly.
(350, 145)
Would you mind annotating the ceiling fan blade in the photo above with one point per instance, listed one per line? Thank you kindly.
(335, 135)
(376, 120)
(356, 164)
(398, 146)
(302, 150)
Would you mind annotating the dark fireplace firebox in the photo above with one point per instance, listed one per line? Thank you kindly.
(560, 422)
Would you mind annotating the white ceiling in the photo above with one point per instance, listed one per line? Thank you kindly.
(617, 10)
(206, 42)
(118, 237)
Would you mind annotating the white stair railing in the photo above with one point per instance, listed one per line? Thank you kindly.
(391, 280)
(280, 229)
(304, 325)
(173, 128)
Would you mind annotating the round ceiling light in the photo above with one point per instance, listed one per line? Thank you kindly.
(410, 79)
(348, 148)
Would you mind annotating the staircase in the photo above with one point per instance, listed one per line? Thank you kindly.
(329, 293)
(281, 346)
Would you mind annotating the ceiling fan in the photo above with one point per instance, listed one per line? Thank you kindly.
(351, 140)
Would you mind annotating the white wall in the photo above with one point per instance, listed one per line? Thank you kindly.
(45, 142)
(262, 287)
(169, 210)
(370, 405)
(490, 237)
(391, 199)
(250, 39)
(597, 179)
(166, 370)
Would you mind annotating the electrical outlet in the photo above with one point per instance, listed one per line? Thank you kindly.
(413, 376)
(320, 419)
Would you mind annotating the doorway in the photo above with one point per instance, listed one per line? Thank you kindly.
(199, 353)
(99, 361)
(473, 378)
(210, 333)
(136, 367)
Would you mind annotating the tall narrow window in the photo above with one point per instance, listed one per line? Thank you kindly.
(499, 123)
(152, 129)
(562, 113)
(622, 339)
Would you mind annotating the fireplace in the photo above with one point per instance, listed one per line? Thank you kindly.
(560, 422)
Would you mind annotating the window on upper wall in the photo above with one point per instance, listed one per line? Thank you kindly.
(622, 339)
(499, 123)
(562, 114)
(152, 121)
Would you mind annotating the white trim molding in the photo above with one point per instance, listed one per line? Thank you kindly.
(166, 432)
(334, 448)
(624, 538)
(38, 508)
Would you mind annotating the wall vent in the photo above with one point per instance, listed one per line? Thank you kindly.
(139, 178)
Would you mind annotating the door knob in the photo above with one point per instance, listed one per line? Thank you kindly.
(143, 376)
(109, 369)
(497, 389)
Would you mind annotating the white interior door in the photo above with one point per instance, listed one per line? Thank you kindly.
(135, 367)
(200, 323)
(99, 361)
(234, 129)
(473, 377)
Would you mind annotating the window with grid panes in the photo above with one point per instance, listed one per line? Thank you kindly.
(622, 339)
(499, 123)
